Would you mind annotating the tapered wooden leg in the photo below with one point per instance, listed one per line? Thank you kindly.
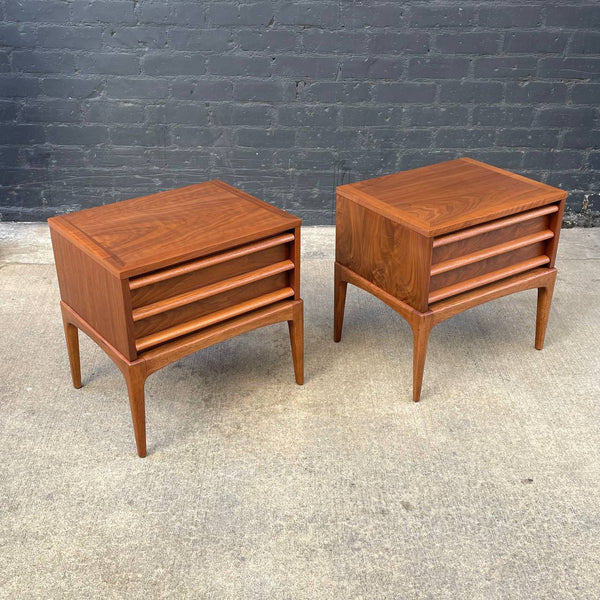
(339, 304)
(296, 327)
(72, 337)
(136, 378)
(421, 330)
(544, 301)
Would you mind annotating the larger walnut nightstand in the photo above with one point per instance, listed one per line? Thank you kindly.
(156, 278)
(435, 241)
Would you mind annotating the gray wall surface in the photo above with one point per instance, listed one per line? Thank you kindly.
(102, 100)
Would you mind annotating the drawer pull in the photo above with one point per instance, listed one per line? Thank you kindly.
(143, 312)
(474, 257)
(216, 317)
(209, 261)
(464, 234)
(469, 284)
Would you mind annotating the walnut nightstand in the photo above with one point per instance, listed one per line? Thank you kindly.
(435, 241)
(153, 279)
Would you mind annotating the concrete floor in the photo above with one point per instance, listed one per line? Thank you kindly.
(342, 488)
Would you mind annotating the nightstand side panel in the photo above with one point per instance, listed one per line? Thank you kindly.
(386, 253)
(95, 294)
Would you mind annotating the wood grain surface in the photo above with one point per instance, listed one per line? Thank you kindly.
(451, 195)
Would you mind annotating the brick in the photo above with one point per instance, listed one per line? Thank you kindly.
(32, 61)
(17, 86)
(306, 116)
(470, 91)
(357, 16)
(585, 42)
(139, 135)
(9, 156)
(465, 138)
(259, 91)
(261, 138)
(569, 68)
(331, 92)
(594, 161)
(191, 113)
(259, 13)
(468, 42)
(440, 16)
(327, 137)
(80, 38)
(173, 64)
(536, 91)
(21, 134)
(335, 42)
(4, 63)
(372, 68)
(136, 37)
(586, 93)
(249, 66)
(566, 117)
(310, 67)
(510, 16)
(17, 35)
(414, 160)
(438, 67)
(136, 89)
(47, 111)
(369, 116)
(211, 40)
(572, 181)
(202, 90)
(505, 68)
(307, 15)
(241, 115)
(392, 42)
(527, 138)
(533, 42)
(582, 139)
(549, 161)
(186, 136)
(103, 11)
(8, 110)
(72, 87)
(102, 111)
(109, 63)
(432, 116)
(390, 138)
(400, 93)
(37, 11)
(573, 16)
(261, 41)
(77, 135)
(514, 116)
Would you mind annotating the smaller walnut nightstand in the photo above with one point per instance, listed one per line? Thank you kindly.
(435, 241)
(153, 279)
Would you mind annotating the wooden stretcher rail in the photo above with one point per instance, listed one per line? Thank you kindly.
(209, 261)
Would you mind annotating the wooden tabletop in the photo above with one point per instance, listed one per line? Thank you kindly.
(143, 234)
(451, 195)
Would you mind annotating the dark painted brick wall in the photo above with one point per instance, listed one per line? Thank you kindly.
(102, 100)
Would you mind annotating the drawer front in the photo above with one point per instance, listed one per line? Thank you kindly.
(479, 255)
(206, 276)
(185, 298)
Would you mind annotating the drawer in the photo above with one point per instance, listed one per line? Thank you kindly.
(479, 255)
(172, 302)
